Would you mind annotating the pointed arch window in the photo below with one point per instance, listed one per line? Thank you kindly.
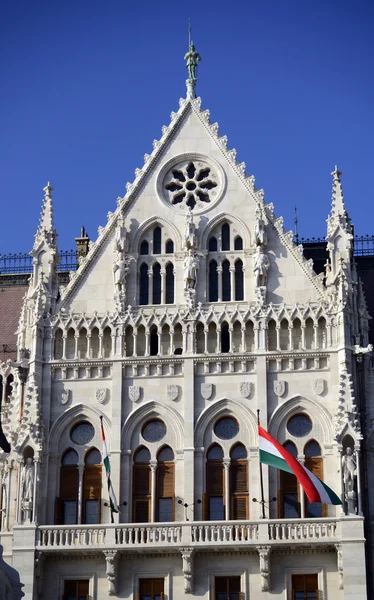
(154, 341)
(67, 502)
(213, 281)
(92, 487)
(239, 280)
(272, 336)
(144, 248)
(141, 500)
(169, 247)
(238, 243)
(107, 342)
(157, 240)
(58, 344)
(156, 283)
(169, 280)
(95, 343)
(225, 338)
(225, 240)
(70, 344)
(212, 245)
(82, 343)
(289, 502)
(165, 485)
(238, 483)
(143, 284)
(314, 462)
(226, 281)
(214, 508)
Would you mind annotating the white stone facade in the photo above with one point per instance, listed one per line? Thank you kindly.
(176, 326)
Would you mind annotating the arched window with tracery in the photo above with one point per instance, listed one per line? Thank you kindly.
(314, 462)
(226, 281)
(165, 500)
(239, 281)
(156, 283)
(214, 508)
(67, 501)
(239, 506)
(143, 284)
(141, 494)
(91, 512)
(169, 280)
(213, 281)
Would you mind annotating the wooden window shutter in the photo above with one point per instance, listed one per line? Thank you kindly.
(239, 508)
(92, 482)
(165, 480)
(142, 480)
(59, 509)
(238, 477)
(234, 585)
(315, 465)
(141, 510)
(214, 478)
(205, 507)
(311, 583)
(158, 586)
(69, 483)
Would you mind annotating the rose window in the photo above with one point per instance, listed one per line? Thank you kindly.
(191, 184)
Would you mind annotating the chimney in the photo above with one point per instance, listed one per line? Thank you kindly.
(82, 245)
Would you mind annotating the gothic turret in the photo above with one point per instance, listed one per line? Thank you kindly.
(339, 229)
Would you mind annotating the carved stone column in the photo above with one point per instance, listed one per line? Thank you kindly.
(244, 340)
(187, 568)
(219, 275)
(76, 340)
(232, 284)
(226, 466)
(264, 554)
(206, 331)
(339, 562)
(153, 465)
(111, 559)
(150, 286)
(80, 492)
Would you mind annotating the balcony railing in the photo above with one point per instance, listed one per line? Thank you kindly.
(194, 534)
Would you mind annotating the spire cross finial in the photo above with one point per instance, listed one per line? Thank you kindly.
(48, 189)
(189, 32)
(336, 173)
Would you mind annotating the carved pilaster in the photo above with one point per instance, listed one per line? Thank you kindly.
(264, 554)
(339, 562)
(187, 568)
(111, 559)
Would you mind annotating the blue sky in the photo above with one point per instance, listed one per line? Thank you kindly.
(86, 87)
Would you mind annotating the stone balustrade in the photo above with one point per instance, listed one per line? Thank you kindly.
(192, 534)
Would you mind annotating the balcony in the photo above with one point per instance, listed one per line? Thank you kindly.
(198, 535)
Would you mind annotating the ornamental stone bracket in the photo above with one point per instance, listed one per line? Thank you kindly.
(187, 568)
(264, 554)
(111, 559)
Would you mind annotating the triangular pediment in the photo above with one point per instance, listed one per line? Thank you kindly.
(191, 136)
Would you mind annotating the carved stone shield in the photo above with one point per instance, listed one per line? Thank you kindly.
(279, 388)
(102, 395)
(134, 393)
(318, 386)
(64, 396)
(173, 391)
(206, 390)
(245, 388)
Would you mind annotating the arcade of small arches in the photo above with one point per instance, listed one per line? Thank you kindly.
(209, 337)
(223, 472)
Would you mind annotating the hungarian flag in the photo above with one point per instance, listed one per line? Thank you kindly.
(112, 497)
(273, 454)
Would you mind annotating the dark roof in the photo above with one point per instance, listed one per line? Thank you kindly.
(10, 308)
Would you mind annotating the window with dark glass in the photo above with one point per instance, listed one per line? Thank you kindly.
(225, 338)
(314, 462)
(144, 248)
(225, 242)
(226, 281)
(213, 281)
(153, 341)
(151, 589)
(67, 502)
(214, 509)
(142, 486)
(169, 280)
(92, 488)
(169, 247)
(238, 244)
(157, 240)
(156, 284)
(239, 483)
(227, 588)
(239, 285)
(76, 589)
(212, 245)
(165, 485)
(305, 587)
(143, 284)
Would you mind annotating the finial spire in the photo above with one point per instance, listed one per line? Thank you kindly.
(338, 215)
(192, 59)
(336, 173)
(46, 228)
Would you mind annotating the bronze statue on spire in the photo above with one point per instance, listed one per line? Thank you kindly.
(193, 58)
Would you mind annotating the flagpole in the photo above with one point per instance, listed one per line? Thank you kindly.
(110, 504)
(261, 476)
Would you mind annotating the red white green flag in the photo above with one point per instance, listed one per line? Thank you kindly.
(275, 455)
(112, 496)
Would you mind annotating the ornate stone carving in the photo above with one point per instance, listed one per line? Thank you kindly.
(318, 386)
(264, 554)
(260, 231)
(187, 567)
(206, 390)
(173, 391)
(134, 393)
(279, 388)
(245, 388)
(111, 559)
(65, 396)
(102, 395)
